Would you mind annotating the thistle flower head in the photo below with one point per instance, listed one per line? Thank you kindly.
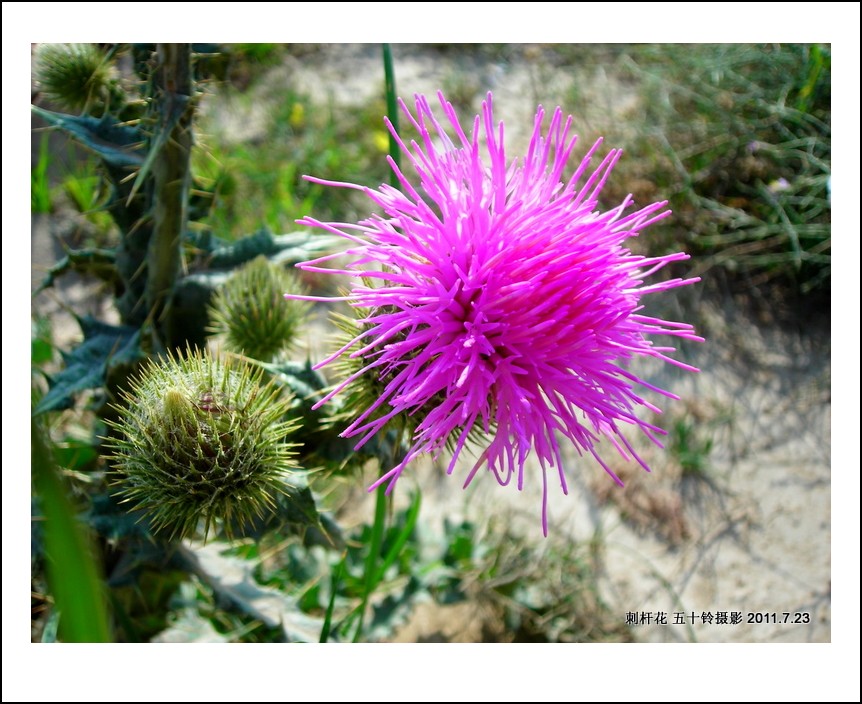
(251, 313)
(74, 75)
(502, 304)
(199, 441)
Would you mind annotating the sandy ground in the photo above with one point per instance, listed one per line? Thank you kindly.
(751, 535)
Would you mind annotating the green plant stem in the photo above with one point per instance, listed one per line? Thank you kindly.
(402, 537)
(40, 192)
(327, 621)
(392, 110)
(371, 558)
(371, 571)
(171, 176)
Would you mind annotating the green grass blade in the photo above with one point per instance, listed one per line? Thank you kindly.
(401, 538)
(374, 546)
(327, 620)
(392, 110)
(40, 194)
(72, 573)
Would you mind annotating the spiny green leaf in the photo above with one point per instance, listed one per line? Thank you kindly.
(111, 140)
(306, 383)
(281, 249)
(243, 250)
(295, 512)
(319, 435)
(231, 578)
(86, 365)
(98, 262)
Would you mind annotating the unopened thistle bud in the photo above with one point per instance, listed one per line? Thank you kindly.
(348, 403)
(75, 76)
(200, 442)
(251, 312)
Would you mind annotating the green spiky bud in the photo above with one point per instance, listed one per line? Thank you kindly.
(251, 312)
(366, 389)
(75, 76)
(200, 442)
(361, 394)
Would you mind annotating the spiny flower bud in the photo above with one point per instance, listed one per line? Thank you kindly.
(362, 390)
(201, 441)
(75, 76)
(252, 314)
(358, 395)
(357, 399)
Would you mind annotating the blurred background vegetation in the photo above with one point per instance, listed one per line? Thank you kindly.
(737, 137)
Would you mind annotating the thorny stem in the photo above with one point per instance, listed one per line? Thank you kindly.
(171, 176)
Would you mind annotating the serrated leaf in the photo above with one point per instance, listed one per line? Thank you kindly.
(307, 386)
(203, 241)
(115, 522)
(304, 382)
(243, 250)
(93, 261)
(296, 512)
(296, 247)
(111, 140)
(282, 249)
(86, 365)
(300, 507)
(231, 578)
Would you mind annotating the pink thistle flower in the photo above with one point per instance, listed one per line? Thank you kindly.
(505, 301)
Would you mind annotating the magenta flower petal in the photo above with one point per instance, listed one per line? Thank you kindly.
(502, 300)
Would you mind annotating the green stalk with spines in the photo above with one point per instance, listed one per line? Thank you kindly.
(171, 181)
(81, 77)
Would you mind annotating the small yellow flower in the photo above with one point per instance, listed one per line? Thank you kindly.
(381, 140)
(297, 115)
